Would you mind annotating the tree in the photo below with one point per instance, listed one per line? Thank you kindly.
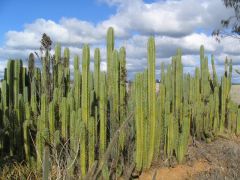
(231, 25)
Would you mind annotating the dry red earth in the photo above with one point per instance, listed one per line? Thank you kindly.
(218, 160)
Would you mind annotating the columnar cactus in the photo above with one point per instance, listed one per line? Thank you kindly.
(10, 80)
(85, 84)
(26, 128)
(56, 64)
(83, 148)
(110, 48)
(151, 97)
(103, 114)
(65, 116)
(77, 83)
(52, 124)
(139, 115)
(114, 115)
(97, 71)
(31, 66)
(123, 91)
(89, 111)
(238, 122)
(66, 59)
(91, 141)
(16, 82)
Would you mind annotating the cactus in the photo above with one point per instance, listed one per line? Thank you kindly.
(103, 114)
(46, 162)
(83, 149)
(85, 84)
(97, 71)
(46, 75)
(91, 141)
(52, 124)
(77, 83)
(89, 111)
(85, 107)
(31, 66)
(26, 126)
(16, 82)
(114, 115)
(65, 116)
(66, 59)
(151, 97)
(56, 64)
(123, 91)
(10, 80)
(146, 134)
(238, 122)
(138, 86)
(110, 48)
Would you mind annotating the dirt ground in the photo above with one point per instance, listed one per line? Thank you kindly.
(217, 160)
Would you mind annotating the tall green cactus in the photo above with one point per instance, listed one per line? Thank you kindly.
(26, 128)
(151, 96)
(77, 83)
(85, 107)
(85, 84)
(114, 115)
(103, 114)
(56, 64)
(65, 116)
(123, 91)
(83, 149)
(97, 71)
(110, 48)
(31, 66)
(91, 141)
(66, 60)
(52, 124)
(66, 57)
(138, 86)
(16, 82)
(10, 80)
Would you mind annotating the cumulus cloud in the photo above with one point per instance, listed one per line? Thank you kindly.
(174, 23)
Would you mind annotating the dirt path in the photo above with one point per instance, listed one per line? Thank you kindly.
(177, 173)
(219, 160)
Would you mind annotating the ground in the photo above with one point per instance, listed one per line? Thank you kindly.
(219, 159)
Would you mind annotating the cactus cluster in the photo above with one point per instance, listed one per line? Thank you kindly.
(45, 108)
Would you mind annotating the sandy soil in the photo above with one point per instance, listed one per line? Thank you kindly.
(218, 160)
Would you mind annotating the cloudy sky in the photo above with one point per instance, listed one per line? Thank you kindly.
(175, 24)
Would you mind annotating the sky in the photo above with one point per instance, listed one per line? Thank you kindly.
(184, 24)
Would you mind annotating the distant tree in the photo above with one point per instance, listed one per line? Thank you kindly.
(230, 25)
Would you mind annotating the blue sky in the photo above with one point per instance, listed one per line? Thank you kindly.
(15, 13)
(176, 24)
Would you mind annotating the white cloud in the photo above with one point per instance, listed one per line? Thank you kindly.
(174, 23)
